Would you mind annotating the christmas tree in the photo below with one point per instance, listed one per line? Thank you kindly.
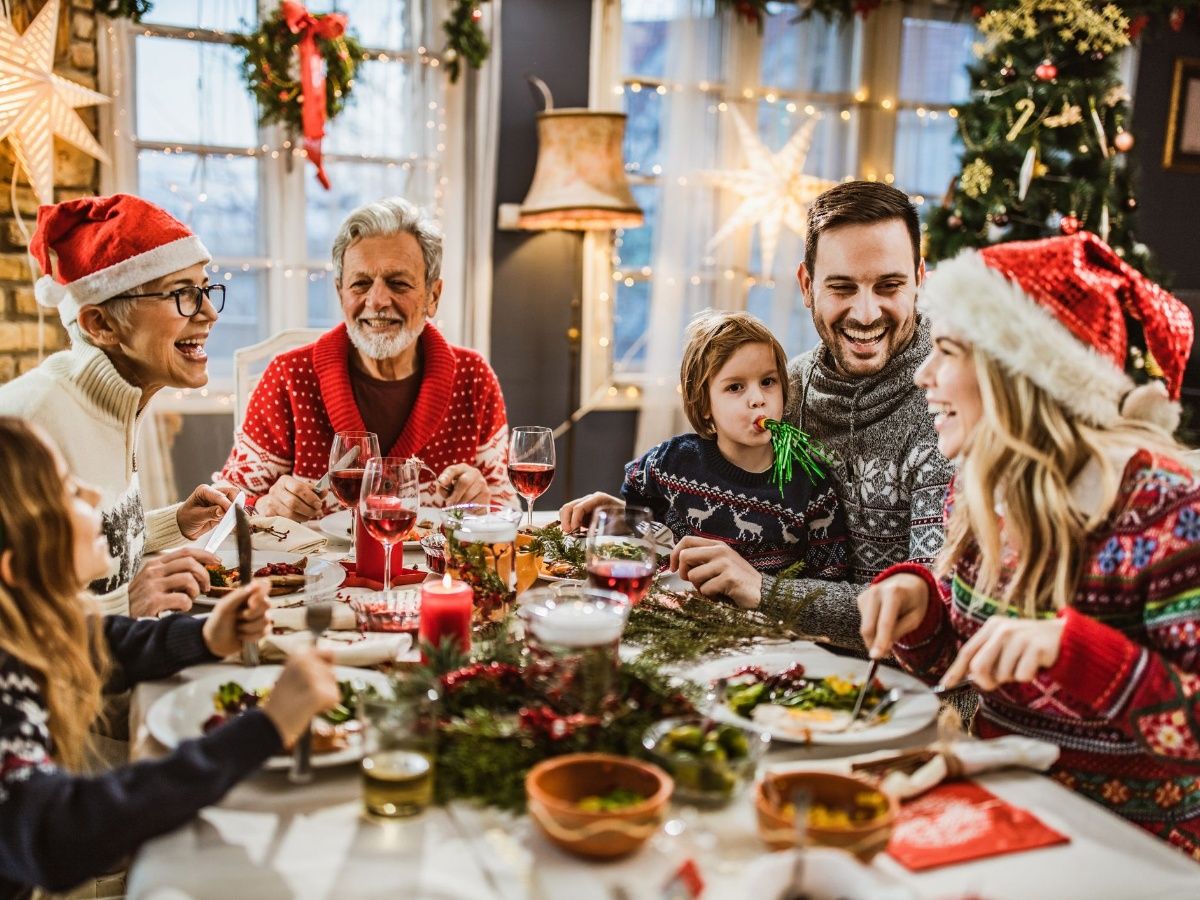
(1044, 132)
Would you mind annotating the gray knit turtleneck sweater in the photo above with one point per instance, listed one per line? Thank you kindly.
(890, 477)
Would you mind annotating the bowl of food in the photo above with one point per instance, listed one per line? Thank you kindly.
(843, 812)
(597, 805)
(711, 762)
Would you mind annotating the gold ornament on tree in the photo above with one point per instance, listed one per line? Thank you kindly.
(36, 105)
(1070, 115)
(1081, 22)
(773, 187)
(1027, 169)
(976, 178)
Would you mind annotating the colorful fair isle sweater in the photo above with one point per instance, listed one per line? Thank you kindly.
(1123, 699)
(692, 488)
(56, 828)
(305, 396)
(91, 413)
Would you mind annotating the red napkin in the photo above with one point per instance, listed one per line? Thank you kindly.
(962, 821)
(399, 577)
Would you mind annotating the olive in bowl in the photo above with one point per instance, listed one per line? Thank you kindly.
(710, 761)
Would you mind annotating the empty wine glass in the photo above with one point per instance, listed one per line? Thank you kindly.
(531, 462)
(391, 492)
(620, 554)
(346, 480)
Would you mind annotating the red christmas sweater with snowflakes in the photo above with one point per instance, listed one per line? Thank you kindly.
(1123, 700)
(305, 396)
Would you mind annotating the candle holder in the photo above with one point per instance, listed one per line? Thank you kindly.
(446, 612)
(481, 549)
(573, 637)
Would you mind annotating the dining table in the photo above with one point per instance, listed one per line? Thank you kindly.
(270, 838)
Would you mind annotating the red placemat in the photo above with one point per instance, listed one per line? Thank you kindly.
(962, 821)
(399, 577)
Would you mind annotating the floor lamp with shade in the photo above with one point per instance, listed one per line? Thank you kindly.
(579, 185)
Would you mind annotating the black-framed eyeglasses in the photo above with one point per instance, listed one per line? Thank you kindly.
(188, 300)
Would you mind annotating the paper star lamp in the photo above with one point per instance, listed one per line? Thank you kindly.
(774, 189)
(36, 104)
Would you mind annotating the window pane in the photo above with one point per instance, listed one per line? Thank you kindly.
(192, 92)
(381, 118)
(926, 153)
(644, 27)
(631, 319)
(217, 15)
(830, 154)
(323, 309)
(934, 57)
(644, 109)
(216, 196)
(380, 26)
(243, 322)
(635, 246)
(810, 57)
(354, 184)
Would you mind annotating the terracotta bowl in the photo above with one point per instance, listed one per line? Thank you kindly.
(554, 787)
(863, 839)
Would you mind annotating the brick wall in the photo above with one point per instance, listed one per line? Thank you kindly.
(75, 175)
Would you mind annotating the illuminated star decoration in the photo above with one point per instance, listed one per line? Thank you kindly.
(773, 187)
(36, 104)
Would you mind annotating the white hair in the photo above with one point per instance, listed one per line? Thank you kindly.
(385, 218)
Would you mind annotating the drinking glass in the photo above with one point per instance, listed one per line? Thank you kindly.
(620, 552)
(400, 740)
(483, 537)
(531, 462)
(347, 482)
(389, 503)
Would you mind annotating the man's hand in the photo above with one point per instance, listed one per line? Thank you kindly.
(1006, 650)
(293, 498)
(891, 609)
(170, 582)
(461, 483)
(307, 686)
(240, 616)
(203, 509)
(715, 569)
(576, 514)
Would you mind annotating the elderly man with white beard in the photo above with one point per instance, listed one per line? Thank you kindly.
(385, 369)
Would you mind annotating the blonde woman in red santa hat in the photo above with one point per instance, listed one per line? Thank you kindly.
(1068, 591)
(129, 283)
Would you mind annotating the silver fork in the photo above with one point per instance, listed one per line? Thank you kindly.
(317, 618)
(801, 803)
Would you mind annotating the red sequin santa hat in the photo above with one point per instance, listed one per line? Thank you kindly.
(93, 249)
(1054, 310)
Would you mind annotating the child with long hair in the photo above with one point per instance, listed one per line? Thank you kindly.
(57, 826)
(1068, 591)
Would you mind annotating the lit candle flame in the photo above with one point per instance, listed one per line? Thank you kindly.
(446, 581)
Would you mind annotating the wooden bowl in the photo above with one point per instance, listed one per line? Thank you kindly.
(863, 839)
(554, 787)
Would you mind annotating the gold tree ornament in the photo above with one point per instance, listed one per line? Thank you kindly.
(773, 187)
(36, 105)
(976, 179)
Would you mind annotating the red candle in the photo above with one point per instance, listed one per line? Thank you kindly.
(446, 611)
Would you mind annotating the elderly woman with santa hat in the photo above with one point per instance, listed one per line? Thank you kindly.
(129, 283)
(1068, 591)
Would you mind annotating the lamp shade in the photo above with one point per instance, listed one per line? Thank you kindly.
(579, 183)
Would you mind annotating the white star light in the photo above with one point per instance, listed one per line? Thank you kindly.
(36, 104)
(774, 189)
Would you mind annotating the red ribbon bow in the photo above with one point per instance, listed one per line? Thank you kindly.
(312, 74)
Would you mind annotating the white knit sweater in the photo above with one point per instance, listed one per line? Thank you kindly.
(91, 412)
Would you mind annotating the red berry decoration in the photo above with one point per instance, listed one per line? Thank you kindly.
(1069, 224)
(1047, 71)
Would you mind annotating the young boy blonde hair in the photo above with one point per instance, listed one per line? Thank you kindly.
(713, 336)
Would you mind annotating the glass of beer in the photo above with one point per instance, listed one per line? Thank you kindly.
(401, 748)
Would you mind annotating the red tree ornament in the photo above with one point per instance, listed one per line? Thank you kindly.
(1123, 141)
(1047, 71)
(1069, 225)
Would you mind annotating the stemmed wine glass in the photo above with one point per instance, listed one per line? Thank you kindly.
(620, 553)
(531, 462)
(347, 482)
(391, 496)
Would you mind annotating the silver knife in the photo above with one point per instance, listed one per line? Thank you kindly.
(225, 525)
(350, 456)
(245, 575)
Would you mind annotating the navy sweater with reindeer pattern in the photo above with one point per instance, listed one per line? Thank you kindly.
(690, 486)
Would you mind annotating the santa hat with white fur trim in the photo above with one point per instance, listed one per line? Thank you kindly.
(1054, 310)
(106, 246)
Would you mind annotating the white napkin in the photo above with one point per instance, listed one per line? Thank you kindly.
(296, 538)
(971, 758)
(828, 874)
(292, 618)
(350, 648)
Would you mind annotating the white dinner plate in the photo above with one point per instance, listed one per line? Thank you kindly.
(916, 709)
(179, 714)
(330, 575)
(336, 525)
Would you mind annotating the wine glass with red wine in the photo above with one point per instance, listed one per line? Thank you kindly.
(391, 492)
(531, 462)
(620, 554)
(347, 481)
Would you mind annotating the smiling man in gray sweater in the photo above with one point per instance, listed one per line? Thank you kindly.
(855, 393)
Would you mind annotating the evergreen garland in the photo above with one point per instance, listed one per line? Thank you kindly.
(466, 38)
